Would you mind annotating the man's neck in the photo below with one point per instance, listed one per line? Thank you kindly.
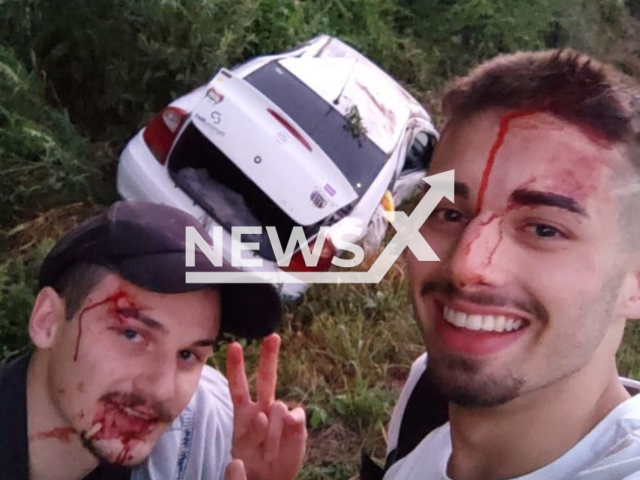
(55, 450)
(531, 431)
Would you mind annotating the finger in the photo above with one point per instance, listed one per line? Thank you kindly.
(236, 376)
(235, 471)
(277, 414)
(252, 436)
(296, 423)
(268, 371)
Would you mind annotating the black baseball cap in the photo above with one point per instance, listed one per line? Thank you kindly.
(144, 243)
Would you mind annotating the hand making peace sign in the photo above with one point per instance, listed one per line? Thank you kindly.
(269, 438)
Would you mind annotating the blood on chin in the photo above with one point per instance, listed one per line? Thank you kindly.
(120, 438)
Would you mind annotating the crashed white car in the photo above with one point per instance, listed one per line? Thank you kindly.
(317, 136)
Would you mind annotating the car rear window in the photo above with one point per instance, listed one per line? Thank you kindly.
(358, 158)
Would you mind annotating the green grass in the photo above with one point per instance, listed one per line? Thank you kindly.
(346, 350)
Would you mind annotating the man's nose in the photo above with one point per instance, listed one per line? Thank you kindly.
(479, 257)
(158, 379)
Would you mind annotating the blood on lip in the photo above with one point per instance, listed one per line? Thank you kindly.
(117, 424)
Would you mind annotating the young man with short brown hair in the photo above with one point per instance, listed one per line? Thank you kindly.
(539, 270)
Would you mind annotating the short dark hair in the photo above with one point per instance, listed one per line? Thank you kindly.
(77, 282)
(569, 85)
(566, 83)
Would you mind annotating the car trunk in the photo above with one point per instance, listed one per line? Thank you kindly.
(220, 188)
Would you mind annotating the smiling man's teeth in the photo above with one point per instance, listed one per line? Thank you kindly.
(487, 323)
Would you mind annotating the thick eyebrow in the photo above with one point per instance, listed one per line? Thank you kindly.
(135, 314)
(461, 189)
(535, 197)
(207, 342)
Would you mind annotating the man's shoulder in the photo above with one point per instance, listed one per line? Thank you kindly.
(13, 418)
(618, 444)
(211, 402)
(14, 370)
(198, 443)
(213, 387)
(417, 369)
(211, 405)
(427, 460)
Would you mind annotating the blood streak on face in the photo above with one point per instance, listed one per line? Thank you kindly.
(503, 128)
(63, 434)
(112, 299)
(500, 217)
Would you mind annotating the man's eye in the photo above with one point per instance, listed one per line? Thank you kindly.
(448, 215)
(132, 335)
(188, 356)
(545, 231)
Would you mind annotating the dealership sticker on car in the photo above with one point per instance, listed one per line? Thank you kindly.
(317, 199)
(206, 115)
(214, 96)
(330, 190)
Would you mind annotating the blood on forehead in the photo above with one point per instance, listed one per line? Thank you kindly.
(503, 128)
(117, 301)
(572, 170)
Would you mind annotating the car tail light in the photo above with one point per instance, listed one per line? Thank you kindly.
(161, 131)
(388, 205)
(297, 263)
(290, 128)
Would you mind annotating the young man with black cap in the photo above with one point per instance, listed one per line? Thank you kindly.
(117, 387)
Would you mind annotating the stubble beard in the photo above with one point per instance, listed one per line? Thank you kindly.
(463, 382)
(105, 458)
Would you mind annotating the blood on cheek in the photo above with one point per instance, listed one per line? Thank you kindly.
(64, 434)
(118, 302)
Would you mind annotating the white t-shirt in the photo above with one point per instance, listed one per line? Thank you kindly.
(197, 445)
(611, 451)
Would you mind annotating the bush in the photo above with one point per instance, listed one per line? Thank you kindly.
(458, 35)
(18, 282)
(120, 60)
(44, 162)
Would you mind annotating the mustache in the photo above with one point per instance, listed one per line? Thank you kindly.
(448, 290)
(133, 400)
